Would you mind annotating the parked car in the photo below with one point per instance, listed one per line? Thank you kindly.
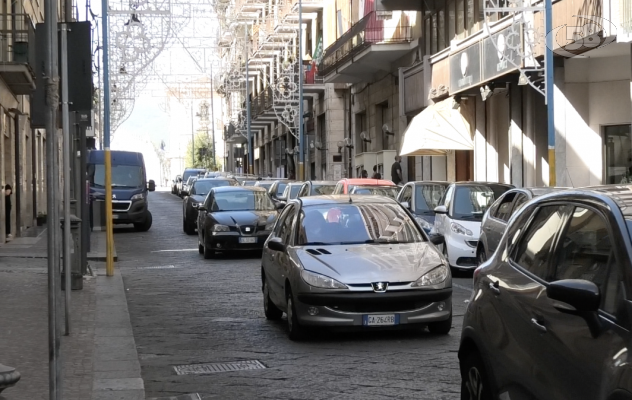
(186, 186)
(266, 184)
(291, 191)
(345, 185)
(197, 195)
(189, 172)
(248, 183)
(235, 218)
(421, 198)
(549, 316)
(317, 188)
(327, 264)
(458, 219)
(174, 184)
(277, 188)
(495, 219)
(388, 191)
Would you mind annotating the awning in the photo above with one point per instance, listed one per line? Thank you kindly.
(437, 129)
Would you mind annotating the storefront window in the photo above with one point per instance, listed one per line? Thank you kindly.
(618, 154)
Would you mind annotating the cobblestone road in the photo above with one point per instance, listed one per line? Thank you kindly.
(187, 310)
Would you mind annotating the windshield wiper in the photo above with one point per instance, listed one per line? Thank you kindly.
(316, 244)
(383, 241)
(123, 186)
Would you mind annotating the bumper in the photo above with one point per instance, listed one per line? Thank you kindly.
(231, 241)
(342, 309)
(135, 214)
(460, 254)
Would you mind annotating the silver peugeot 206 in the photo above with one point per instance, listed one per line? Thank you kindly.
(344, 261)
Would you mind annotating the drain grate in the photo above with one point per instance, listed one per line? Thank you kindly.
(211, 368)
(191, 396)
(158, 267)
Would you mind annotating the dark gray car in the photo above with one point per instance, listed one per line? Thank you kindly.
(495, 219)
(550, 313)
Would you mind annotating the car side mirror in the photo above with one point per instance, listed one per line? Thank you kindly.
(437, 239)
(577, 297)
(201, 207)
(405, 204)
(441, 210)
(151, 186)
(276, 244)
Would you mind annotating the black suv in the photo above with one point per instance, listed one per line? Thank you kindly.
(551, 309)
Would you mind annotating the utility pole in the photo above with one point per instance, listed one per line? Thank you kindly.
(192, 138)
(301, 134)
(65, 117)
(52, 198)
(250, 155)
(550, 88)
(109, 228)
(213, 118)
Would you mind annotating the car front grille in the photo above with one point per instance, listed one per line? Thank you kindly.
(248, 229)
(467, 262)
(120, 205)
(399, 306)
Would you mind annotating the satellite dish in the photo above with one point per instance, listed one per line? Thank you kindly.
(363, 135)
(319, 145)
(311, 145)
(386, 128)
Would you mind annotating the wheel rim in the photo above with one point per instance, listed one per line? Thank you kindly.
(474, 384)
(482, 257)
(290, 312)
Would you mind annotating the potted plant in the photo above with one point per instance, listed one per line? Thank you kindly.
(41, 219)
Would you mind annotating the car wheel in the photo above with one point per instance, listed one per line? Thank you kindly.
(208, 252)
(145, 225)
(441, 327)
(474, 379)
(271, 311)
(294, 329)
(481, 256)
(200, 247)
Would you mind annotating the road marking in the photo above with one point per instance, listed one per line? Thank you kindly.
(162, 251)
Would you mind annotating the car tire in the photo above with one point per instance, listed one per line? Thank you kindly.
(475, 384)
(481, 256)
(270, 310)
(208, 252)
(441, 327)
(294, 329)
(145, 225)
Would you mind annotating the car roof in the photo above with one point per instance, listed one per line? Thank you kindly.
(215, 179)
(538, 191)
(322, 182)
(239, 188)
(295, 183)
(468, 183)
(367, 181)
(375, 187)
(345, 199)
(442, 183)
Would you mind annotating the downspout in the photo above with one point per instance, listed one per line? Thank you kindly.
(18, 177)
(349, 166)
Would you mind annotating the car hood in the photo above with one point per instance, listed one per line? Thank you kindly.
(197, 198)
(234, 218)
(368, 263)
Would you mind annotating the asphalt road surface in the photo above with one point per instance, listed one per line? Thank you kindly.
(187, 312)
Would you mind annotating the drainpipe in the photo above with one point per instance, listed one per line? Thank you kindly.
(348, 133)
(18, 175)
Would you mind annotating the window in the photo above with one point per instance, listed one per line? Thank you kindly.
(322, 190)
(585, 251)
(533, 251)
(447, 198)
(339, 189)
(202, 187)
(503, 211)
(451, 20)
(519, 202)
(280, 225)
(471, 202)
(123, 176)
(304, 190)
(286, 229)
(242, 200)
(407, 195)
(427, 198)
(618, 154)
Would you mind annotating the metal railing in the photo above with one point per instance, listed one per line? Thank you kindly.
(625, 12)
(17, 39)
(366, 32)
(310, 75)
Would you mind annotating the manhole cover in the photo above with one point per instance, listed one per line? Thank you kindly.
(191, 396)
(211, 368)
(158, 267)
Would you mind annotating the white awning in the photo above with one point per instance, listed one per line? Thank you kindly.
(437, 129)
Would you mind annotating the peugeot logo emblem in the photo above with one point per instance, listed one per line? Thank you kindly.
(114, 196)
(379, 287)
(247, 229)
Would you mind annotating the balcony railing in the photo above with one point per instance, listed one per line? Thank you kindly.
(310, 75)
(625, 11)
(366, 32)
(17, 39)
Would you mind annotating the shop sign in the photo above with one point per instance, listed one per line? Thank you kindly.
(465, 68)
(501, 52)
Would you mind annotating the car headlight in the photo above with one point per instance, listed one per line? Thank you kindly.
(194, 204)
(321, 281)
(138, 196)
(220, 228)
(433, 277)
(423, 223)
(460, 229)
(269, 226)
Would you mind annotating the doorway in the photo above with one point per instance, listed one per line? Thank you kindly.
(464, 165)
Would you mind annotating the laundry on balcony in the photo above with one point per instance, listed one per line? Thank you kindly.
(437, 129)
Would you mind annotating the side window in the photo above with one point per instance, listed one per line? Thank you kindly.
(278, 227)
(447, 198)
(534, 249)
(503, 211)
(303, 191)
(208, 203)
(586, 252)
(288, 224)
(407, 194)
(338, 189)
(519, 202)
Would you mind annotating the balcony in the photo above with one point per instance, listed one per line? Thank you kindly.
(17, 53)
(312, 81)
(370, 46)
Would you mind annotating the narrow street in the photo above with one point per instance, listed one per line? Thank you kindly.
(186, 310)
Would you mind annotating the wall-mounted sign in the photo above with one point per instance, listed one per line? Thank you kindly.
(465, 69)
(501, 52)
(256, 154)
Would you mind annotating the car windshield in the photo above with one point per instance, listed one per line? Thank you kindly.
(322, 190)
(378, 191)
(248, 183)
(281, 189)
(341, 224)
(193, 172)
(294, 191)
(123, 176)
(242, 200)
(265, 185)
(427, 198)
(202, 187)
(470, 202)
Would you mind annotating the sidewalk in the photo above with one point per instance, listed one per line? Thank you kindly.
(98, 360)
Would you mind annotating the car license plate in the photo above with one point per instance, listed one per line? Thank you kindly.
(380, 320)
(247, 240)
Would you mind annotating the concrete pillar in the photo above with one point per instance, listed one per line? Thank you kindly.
(528, 138)
(480, 141)
(515, 135)
(560, 103)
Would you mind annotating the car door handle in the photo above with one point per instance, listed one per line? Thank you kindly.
(538, 325)
(493, 286)
(488, 228)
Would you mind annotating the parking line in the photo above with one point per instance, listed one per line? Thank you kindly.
(163, 251)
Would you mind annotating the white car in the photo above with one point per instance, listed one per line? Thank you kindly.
(458, 219)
